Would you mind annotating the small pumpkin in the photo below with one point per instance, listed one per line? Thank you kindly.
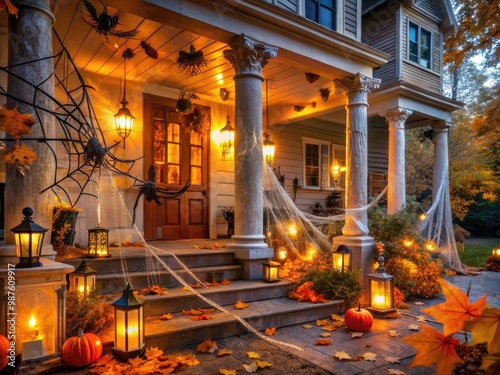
(4, 351)
(81, 350)
(358, 319)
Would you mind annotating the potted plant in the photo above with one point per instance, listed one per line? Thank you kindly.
(198, 120)
(183, 103)
(63, 224)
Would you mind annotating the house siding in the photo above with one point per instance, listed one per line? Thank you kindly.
(351, 18)
(291, 5)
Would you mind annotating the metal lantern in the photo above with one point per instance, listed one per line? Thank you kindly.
(342, 259)
(381, 289)
(268, 148)
(227, 139)
(496, 254)
(271, 271)
(98, 243)
(82, 279)
(129, 326)
(29, 241)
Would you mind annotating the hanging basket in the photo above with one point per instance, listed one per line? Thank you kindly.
(183, 105)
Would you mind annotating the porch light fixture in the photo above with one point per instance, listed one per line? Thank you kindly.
(29, 241)
(129, 326)
(381, 289)
(82, 280)
(325, 94)
(226, 139)
(123, 118)
(311, 77)
(342, 259)
(98, 243)
(496, 254)
(224, 94)
(337, 170)
(268, 148)
(270, 271)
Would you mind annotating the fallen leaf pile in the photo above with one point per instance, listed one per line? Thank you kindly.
(306, 293)
(154, 290)
(215, 246)
(199, 314)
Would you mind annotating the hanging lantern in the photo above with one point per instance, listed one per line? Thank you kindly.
(129, 326)
(381, 288)
(496, 254)
(268, 148)
(342, 259)
(226, 139)
(29, 241)
(270, 271)
(98, 243)
(123, 118)
(82, 279)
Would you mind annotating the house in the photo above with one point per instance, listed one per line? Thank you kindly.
(327, 80)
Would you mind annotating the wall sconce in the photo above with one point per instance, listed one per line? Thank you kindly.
(224, 94)
(298, 108)
(342, 259)
(311, 77)
(98, 243)
(129, 326)
(325, 94)
(268, 148)
(381, 288)
(123, 118)
(29, 241)
(496, 254)
(82, 279)
(270, 271)
(422, 215)
(337, 170)
(226, 139)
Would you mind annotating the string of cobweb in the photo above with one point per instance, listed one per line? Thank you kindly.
(438, 226)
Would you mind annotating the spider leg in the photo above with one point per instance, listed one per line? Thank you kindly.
(135, 204)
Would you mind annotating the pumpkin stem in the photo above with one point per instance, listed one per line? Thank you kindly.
(359, 306)
(80, 332)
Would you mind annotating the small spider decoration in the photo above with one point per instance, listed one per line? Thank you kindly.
(104, 23)
(191, 62)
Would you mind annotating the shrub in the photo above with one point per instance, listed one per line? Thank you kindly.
(334, 284)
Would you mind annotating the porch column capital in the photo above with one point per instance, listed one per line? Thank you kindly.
(357, 87)
(396, 117)
(248, 56)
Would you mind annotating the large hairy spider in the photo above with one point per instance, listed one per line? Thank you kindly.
(104, 23)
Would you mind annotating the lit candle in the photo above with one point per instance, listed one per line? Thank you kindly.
(33, 330)
(379, 301)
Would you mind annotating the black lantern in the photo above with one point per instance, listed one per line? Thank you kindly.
(129, 326)
(29, 241)
(342, 259)
(82, 279)
(270, 271)
(98, 243)
(381, 289)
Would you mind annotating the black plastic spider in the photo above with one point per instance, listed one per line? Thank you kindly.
(151, 192)
(104, 23)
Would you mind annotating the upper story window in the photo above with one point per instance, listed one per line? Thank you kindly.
(322, 12)
(419, 45)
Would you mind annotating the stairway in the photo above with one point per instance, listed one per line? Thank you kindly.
(269, 304)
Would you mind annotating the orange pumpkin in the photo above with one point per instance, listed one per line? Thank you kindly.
(358, 319)
(81, 350)
(4, 351)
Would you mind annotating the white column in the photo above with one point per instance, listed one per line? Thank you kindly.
(356, 90)
(248, 57)
(440, 163)
(396, 191)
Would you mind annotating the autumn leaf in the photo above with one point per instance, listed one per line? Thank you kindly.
(456, 310)
(336, 318)
(153, 290)
(187, 359)
(307, 326)
(323, 342)
(195, 312)
(368, 356)
(223, 371)
(392, 359)
(11, 9)
(166, 316)
(224, 352)
(241, 305)
(251, 368)
(393, 333)
(207, 346)
(491, 363)
(225, 282)
(207, 311)
(356, 334)
(263, 364)
(253, 355)
(270, 331)
(325, 334)
(321, 323)
(16, 124)
(421, 318)
(393, 315)
(201, 317)
(433, 347)
(153, 353)
(413, 327)
(486, 328)
(419, 303)
(392, 371)
(195, 286)
(135, 362)
(21, 156)
(332, 327)
(341, 355)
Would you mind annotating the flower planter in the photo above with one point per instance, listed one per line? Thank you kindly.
(183, 105)
(63, 219)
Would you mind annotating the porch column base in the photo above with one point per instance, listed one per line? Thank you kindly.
(251, 260)
(362, 258)
(8, 254)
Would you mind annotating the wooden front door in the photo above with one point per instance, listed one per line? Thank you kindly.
(176, 155)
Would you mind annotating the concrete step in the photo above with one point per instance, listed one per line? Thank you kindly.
(178, 299)
(277, 312)
(115, 282)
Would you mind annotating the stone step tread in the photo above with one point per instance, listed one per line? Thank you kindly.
(165, 272)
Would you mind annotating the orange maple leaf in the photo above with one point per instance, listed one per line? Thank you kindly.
(21, 157)
(433, 347)
(323, 342)
(241, 305)
(486, 328)
(456, 310)
(225, 282)
(201, 317)
(11, 9)
(270, 331)
(16, 124)
(207, 346)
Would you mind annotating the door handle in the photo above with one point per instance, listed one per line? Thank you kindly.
(204, 192)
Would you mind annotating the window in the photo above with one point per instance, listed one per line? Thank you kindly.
(419, 45)
(322, 12)
(318, 157)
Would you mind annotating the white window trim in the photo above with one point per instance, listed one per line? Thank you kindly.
(319, 142)
(431, 49)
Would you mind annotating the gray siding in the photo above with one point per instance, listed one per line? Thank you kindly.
(428, 6)
(291, 5)
(351, 17)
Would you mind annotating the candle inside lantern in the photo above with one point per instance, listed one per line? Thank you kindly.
(282, 253)
(32, 325)
(33, 347)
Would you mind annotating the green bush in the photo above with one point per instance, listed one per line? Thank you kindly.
(334, 284)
